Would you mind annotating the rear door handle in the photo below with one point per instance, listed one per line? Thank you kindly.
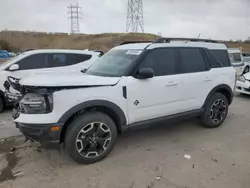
(208, 79)
(172, 84)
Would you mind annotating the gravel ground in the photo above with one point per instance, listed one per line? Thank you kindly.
(7, 127)
(150, 158)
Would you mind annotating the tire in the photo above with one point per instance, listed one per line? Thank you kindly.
(215, 112)
(90, 137)
(1, 104)
(246, 70)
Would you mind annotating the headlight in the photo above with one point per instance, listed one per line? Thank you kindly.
(34, 103)
(242, 79)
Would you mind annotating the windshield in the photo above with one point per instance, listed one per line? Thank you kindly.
(114, 63)
(235, 57)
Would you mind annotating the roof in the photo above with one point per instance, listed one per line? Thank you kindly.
(234, 50)
(217, 46)
(167, 40)
(173, 42)
(60, 51)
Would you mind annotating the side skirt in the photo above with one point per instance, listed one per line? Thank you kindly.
(165, 119)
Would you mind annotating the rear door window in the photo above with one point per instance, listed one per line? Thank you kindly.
(66, 59)
(191, 60)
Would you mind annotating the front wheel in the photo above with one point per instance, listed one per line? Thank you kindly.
(90, 137)
(215, 111)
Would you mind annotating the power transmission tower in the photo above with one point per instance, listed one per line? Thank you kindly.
(74, 16)
(135, 16)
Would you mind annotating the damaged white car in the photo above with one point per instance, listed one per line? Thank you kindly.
(243, 84)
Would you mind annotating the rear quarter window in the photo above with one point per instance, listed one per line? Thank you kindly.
(213, 61)
(222, 56)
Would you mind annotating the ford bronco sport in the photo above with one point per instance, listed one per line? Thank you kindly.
(135, 84)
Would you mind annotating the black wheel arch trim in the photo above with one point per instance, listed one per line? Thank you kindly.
(247, 67)
(219, 87)
(95, 103)
(2, 95)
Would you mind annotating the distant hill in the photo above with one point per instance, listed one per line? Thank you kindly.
(38, 40)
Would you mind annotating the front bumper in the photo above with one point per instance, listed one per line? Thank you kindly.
(41, 133)
(243, 87)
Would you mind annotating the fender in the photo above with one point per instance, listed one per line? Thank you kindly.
(95, 103)
(221, 87)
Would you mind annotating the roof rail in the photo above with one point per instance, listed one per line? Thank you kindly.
(132, 42)
(100, 51)
(167, 40)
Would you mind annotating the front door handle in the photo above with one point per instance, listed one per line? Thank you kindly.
(208, 79)
(172, 84)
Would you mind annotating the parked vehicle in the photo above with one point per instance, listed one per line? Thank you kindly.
(131, 86)
(246, 59)
(4, 54)
(243, 84)
(12, 54)
(35, 61)
(236, 58)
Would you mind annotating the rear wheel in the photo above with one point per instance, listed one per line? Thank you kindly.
(215, 111)
(91, 137)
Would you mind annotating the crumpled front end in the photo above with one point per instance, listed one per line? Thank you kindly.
(243, 85)
(13, 97)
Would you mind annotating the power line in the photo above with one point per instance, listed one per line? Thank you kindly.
(135, 16)
(74, 16)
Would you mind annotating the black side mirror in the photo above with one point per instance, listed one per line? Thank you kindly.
(145, 73)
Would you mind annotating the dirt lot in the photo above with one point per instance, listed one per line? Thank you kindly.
(152, 158)
(19, 40)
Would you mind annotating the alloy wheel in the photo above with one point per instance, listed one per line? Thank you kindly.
(218, 111)
(93, 139)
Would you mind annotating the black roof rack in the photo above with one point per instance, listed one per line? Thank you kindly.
(132, 42)
(167, 40)
(100, 51)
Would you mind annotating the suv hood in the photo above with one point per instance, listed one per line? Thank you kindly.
(63, 79)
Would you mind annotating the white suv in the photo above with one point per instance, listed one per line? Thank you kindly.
(133, 85)
(35, 61)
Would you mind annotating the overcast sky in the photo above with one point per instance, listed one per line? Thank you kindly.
(217, 19)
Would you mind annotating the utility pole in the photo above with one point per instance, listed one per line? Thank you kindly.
(135, 16)
(74, 16)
